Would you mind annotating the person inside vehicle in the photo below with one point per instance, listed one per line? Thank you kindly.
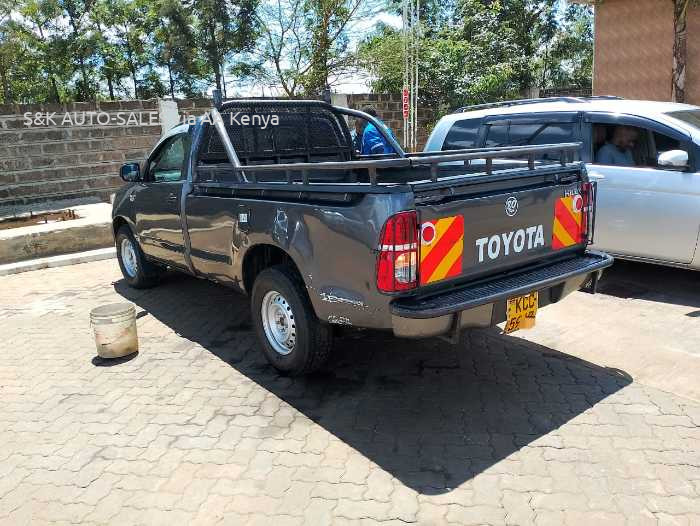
(373, 142)
(618, 151)
(600, 135)
(356, 134)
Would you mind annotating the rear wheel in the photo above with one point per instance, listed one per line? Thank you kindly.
(293, 339)
(137, 272)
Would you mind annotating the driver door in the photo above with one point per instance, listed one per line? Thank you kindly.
(158, 202)
(645, 210)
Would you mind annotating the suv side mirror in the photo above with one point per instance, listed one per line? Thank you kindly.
(130, 172)
(673, 159)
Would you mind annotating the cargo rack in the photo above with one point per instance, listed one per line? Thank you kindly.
(250, 173)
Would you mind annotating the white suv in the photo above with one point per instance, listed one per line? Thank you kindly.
(648, 204)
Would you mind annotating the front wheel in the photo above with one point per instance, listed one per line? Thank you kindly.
(137, 272)
(293, 339)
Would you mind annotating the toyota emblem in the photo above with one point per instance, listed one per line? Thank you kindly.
(511, 206)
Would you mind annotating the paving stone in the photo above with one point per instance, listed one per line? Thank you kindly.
(198, 429)
(364, 509)
(475, 515)
(319, 511)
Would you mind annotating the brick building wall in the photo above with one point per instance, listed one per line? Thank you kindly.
(389, 110)
(634, 50)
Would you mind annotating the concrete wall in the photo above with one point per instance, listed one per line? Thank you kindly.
(634, 50)
(42, 167)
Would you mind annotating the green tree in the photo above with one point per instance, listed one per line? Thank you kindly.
(305, 44)
(7, 50)
(528, 26)
(175, 48)
(81, 44)
(34, 55)
(127, 49)
(480, 51)
(43, 39)
(326, 22)
(221, 28)
(569, 56)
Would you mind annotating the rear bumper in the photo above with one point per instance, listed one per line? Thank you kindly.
(483, 304)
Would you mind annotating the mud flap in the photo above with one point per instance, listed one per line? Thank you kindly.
(590, 286)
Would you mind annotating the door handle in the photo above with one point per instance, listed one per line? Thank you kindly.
(172, 198)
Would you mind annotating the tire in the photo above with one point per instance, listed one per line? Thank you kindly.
(294, 341)
(137, 272)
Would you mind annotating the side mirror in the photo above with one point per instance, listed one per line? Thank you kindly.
(130, 172)
(674, 160)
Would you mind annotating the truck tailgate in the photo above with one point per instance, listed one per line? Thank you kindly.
(488, 232)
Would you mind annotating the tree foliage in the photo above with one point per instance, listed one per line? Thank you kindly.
(475, 51)
(469, 51)
(305, 44)
(64, 50)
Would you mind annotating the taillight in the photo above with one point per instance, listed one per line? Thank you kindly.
(587, 203)
(397, 264)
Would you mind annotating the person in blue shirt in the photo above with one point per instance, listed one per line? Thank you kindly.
(373, 142)
(356, 134)
(618, 151)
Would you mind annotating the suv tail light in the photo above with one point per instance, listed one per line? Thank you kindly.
(397, 264)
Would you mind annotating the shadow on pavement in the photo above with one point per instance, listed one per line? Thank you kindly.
(431, 414)
(98, 361)
(627, 279)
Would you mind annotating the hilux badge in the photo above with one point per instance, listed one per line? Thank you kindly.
(511, 206)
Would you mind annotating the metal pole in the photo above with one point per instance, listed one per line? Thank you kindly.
(416, 43)
(406, 76)
(225, 140)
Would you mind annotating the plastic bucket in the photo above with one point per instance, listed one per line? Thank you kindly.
(115, 330)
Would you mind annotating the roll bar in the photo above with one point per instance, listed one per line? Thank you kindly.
(226, 140)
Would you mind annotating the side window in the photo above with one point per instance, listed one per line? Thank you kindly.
(463, 135)
(497, 135)
(664, 143)
(621, 145)
(167, 165)
(545, 133)
(531, 134)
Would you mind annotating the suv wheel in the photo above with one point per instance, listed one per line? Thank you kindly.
(293, 339)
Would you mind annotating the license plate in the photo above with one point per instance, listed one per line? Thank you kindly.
(521, 312)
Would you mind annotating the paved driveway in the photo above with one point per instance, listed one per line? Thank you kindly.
(198, 429)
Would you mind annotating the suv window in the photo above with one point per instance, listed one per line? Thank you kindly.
(664, 143)
(516, 133)
(463, 135)
(168, 162)
(497, 135)
(644, 145)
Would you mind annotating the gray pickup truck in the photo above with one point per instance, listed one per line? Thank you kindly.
(270, 198)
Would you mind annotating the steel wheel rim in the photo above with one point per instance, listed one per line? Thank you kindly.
(278, 322)
(129, 257)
